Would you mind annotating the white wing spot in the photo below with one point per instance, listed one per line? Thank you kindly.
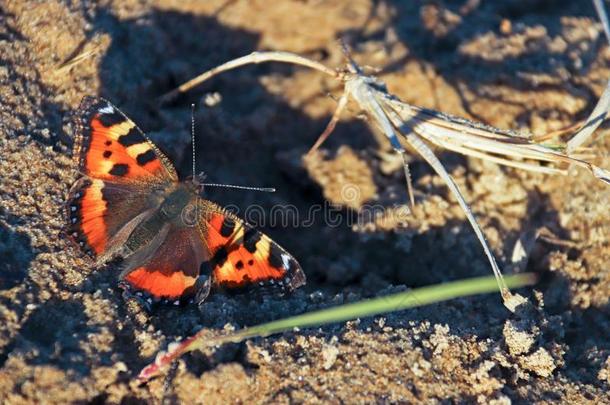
(286, 261)
(107, 110)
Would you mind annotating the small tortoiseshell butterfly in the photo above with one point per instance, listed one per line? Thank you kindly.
(175, 245)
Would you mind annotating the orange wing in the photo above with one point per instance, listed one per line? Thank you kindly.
(243, 257)
(169, 269)
(120, 169)
(110, 146)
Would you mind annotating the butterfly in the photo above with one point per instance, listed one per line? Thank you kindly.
(175, 246)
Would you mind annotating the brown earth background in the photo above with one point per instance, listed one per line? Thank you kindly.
(67, 335)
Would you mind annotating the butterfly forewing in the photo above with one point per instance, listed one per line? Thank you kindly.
(243, 257)
(110, 146)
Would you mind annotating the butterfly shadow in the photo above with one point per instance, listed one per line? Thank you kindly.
(17, 253)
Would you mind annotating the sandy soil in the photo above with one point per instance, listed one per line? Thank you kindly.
(67, 335)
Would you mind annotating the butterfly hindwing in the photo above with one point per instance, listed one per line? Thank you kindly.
(169, 269)
(242, 257)
(101, 214)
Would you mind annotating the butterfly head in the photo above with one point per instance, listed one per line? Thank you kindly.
(198, 182)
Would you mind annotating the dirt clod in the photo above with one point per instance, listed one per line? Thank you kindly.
(518, 341)
(539, 362)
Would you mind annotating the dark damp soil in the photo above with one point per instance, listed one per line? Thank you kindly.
(66, 333)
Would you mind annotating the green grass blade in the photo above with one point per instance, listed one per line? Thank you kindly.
(396, 302)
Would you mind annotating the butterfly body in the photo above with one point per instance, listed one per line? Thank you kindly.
(171, 203)
(175, 245)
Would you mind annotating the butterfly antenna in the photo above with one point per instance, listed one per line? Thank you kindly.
(193, 134)
(265, 189)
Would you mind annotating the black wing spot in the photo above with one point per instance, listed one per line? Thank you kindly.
(239, 265)
(110, 119)
(119, 169)
(250, 262)
(251, 238)
(108, 143)
(146, 157)
(220, 257)
(133, 137)
(227, 227)
(275, 257)
(107, 154)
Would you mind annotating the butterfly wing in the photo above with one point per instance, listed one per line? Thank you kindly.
(217, 249)
(120, 170)
(109, 146)
(169, 268)
(241, 256)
